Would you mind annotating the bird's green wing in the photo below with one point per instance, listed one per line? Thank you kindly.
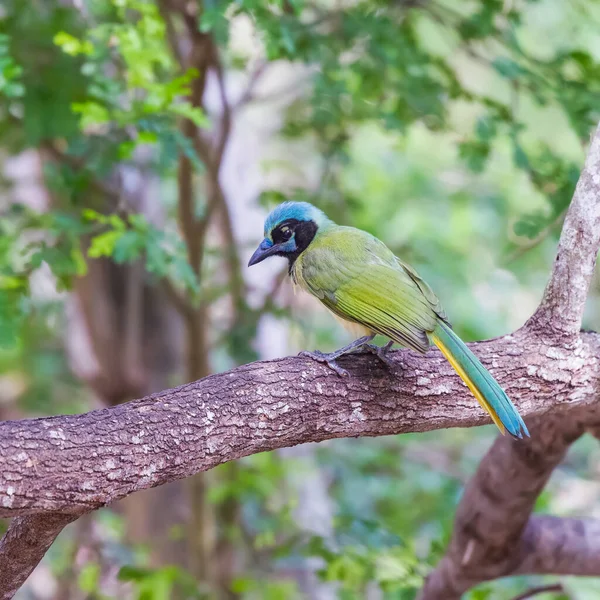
(388, 302)
(433, 300)
(359, 279)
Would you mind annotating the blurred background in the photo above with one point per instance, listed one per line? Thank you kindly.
(143, 142)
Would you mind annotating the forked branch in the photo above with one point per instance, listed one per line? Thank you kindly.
(493, 527)
(24, 545)
(562, 306)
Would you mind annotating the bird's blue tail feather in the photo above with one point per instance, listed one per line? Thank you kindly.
(479, 380)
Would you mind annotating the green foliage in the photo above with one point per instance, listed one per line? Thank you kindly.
(10, 72)
(393, 568)
(14, 288)
(144, 88)
(129, 239)
(89, 578)
(47, 79)
(395, 67)
(259, 478)
(260, 481)
(55, 242)
(162, 583)
(253, 589)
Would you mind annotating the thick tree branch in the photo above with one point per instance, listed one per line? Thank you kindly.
(490, 537)
(564, 299)
(24, 545)
(72, 464)
(559, 546)
(268, 405)
(547, 546)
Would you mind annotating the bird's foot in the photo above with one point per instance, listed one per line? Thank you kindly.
(328, 359)
(381, 352)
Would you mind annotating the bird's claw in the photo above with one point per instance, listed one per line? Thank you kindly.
(327, 359)
(381, 353)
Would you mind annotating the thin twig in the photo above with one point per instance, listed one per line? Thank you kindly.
(523, 248)
(180, 301)
(225, 126)
(248, 93)
(167, 15)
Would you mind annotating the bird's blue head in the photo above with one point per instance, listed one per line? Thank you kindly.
(289, 229)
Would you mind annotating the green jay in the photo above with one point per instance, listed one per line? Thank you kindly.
(371, 291)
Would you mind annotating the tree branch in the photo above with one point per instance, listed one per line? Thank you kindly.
(560, 546)
(490, 538)
(248, 94)
(24, 545)
(273, 404)
(548, 545)
(564, 298)
(225, 125)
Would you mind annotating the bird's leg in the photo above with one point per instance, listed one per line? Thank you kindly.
(381, 352)
(330, 358)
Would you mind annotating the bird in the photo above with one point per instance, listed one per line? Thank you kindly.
(371, 291)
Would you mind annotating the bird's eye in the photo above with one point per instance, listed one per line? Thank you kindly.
(286, 233)
(282, 234)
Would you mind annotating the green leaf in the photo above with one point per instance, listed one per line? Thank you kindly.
(72, 45)
(486, 129)
(89, 578)
(133, 573)
(92, 113)
(520, 157)
(196, 115)
(508, 68)
(475, 154)
(13, 282)
(104, 244)
(89, 214)
(128, 247)
(10, 71)
(530, 226)
(79, 262)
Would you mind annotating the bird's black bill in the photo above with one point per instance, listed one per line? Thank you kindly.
(265, 250)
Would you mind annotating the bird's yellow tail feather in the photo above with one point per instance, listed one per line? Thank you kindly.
(468, 381)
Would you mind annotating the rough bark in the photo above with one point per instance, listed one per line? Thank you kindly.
(492, 537)
(24, 545)
(71, 464)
